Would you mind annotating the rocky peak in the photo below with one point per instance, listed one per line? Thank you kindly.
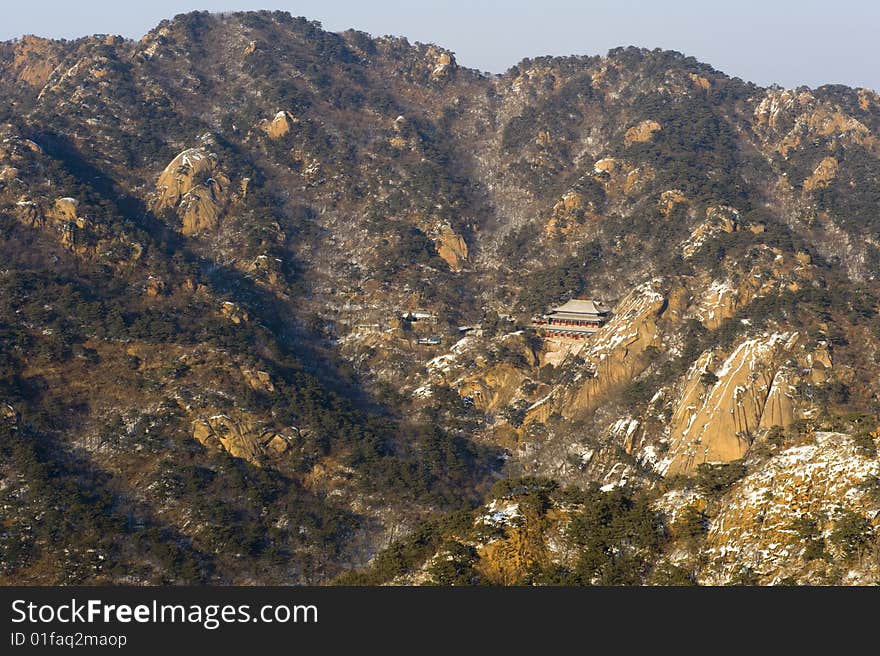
(195, 188)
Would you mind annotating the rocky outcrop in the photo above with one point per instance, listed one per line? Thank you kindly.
(772, 272)
(279, 126)
(234, 312)
(154, 287)
(700, 82)
(9, 413)
(868, 99)
(35, 59)
(268, 269)
(182, 174)
(506, 561)
(788, 118)
(65, 209)
(618, 176)
(195, 188)
(15, 149)
(669, 199)
(493, 388)
(442, 62)
(716, 422)
(568, 212)
(241, 438)
(8, 173)
(236, 437)
(719, 219)
(201, 208)
(822, 175)
(718, 416)
(258, 380)
(641, 132)
(451, 247)
(29, 213)
(755, 527)
(609, 165)
(398, 142)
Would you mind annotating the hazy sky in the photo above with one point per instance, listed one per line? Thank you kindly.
(788, 42)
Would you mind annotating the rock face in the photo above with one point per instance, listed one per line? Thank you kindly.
(35, 59)
(569, 211)
(195, 188)
(494, 388)
(641, 132)
(242, 438)
(822, 175)
(233, 436)
(720, 301)
(452, 248)
(279, 126)
(755, 527)
(755, 388)
(443, 63)
(788, 119)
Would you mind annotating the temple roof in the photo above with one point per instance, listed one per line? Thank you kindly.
(578, 306)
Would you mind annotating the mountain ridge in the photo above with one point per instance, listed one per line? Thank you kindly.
(272, 286)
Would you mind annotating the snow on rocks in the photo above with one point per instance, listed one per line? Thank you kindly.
(753, 528)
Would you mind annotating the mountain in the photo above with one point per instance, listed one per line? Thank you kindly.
(267, 294)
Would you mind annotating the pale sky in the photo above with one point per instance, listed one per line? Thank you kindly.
(787, 42)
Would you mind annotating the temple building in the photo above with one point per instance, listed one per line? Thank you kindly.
(575, 319)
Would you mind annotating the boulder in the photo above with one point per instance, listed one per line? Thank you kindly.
(65, 209)
(235, 436)
(234, 312)
(154, 287)
(195, 188)
(279, 126)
